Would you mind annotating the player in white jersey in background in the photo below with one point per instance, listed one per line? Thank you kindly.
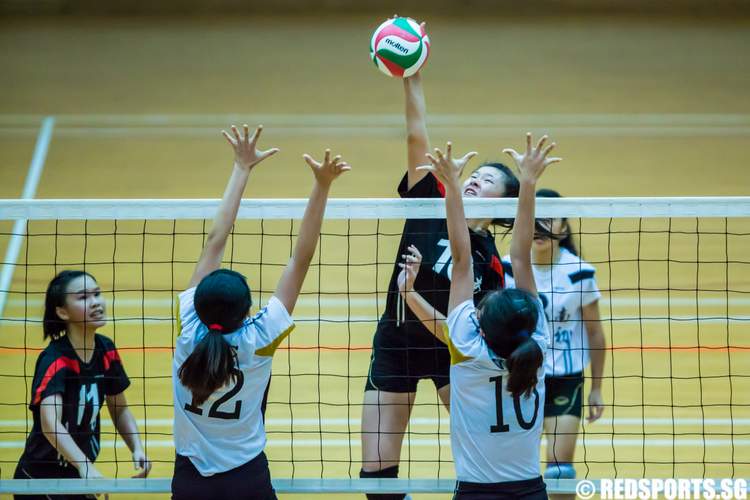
(222, 360)
(497, 349)
(567, 287)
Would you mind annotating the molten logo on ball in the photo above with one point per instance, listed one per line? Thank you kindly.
(399, 47)
(396, 45)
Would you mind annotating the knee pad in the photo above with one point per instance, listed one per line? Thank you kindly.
(560, 471)
(389, 472)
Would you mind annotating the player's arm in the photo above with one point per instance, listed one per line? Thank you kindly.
(293, 276)
(597, 345)
(423, 310)
(50, 415)
(126, 426)
(417, 140)
(531, 165)
(246, 156)
(448, 171)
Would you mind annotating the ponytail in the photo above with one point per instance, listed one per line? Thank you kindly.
(209, 367)
(523, 364)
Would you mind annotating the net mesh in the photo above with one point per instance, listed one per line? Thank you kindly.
(674, 308)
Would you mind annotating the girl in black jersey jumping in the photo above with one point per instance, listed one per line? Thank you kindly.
(404, 351)
(75, 374)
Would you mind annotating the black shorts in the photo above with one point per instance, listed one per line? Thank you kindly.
(564, 395)
(251, 481)
(26, 470)
(399, 369)
(528, 489)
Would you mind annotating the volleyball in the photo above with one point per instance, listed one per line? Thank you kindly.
(399, 47)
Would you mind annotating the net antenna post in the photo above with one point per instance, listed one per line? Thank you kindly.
(29, 190)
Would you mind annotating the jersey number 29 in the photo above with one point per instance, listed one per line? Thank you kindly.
(501, 426)
(214, 411)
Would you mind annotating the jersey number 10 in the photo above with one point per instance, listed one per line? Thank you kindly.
(501, 426)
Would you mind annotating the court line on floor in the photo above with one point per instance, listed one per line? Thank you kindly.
(490, 125)
(34, 174)
(380, 119)
(486, 131)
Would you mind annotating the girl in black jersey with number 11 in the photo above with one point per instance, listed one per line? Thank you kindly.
(75, 374)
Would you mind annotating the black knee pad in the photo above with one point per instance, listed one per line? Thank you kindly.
(389, 472)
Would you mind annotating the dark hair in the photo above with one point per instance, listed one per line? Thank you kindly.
(222, 301)
(567, 240)
(57, 290)
(508, 318)
(511, 187)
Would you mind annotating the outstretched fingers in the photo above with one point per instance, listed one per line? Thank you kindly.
(432, 166)
(269, 152)
(228, 138)
(512, 153)
(468, 156)
(256, 135)
(439, 155)
(311, 161)
(541, 142)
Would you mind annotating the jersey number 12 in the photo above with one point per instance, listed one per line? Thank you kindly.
(214, 411)
(501, 426)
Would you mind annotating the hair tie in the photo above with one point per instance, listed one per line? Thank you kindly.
(216, 326)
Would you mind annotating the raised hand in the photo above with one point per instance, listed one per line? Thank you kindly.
(532, 163)
(326, 171)
(409, 269)
(246, 154)
(446, 168)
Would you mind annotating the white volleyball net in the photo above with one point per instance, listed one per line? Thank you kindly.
(674, 276)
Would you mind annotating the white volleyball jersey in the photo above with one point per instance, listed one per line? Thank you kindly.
(494, 436)
(226, 431)
(565, 288)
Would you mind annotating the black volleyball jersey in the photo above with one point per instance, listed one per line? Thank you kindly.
(83, 387)
(430, 236)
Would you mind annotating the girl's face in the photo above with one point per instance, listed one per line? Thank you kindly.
(84, 304)
(485, 182)
(556, 227)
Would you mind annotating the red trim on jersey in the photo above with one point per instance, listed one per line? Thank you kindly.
(440, 186)
(60, 363)
(110, 357)
(496, 266)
